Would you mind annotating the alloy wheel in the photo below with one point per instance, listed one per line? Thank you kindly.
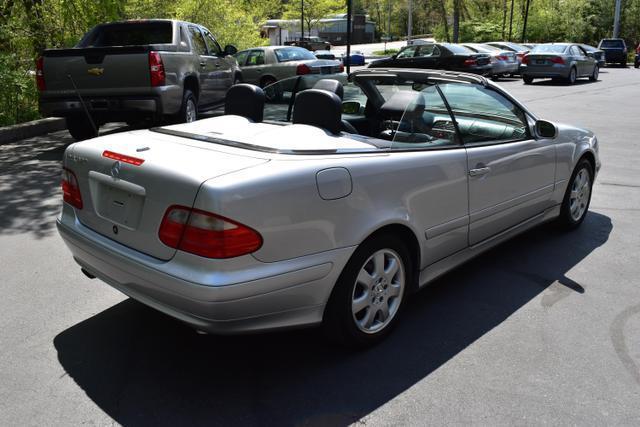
(190, 112)
(378, 291)
(579, 196)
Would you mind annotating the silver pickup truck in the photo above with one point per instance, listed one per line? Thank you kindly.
(132, 71)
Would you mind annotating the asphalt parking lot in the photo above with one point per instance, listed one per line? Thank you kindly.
(544, 329)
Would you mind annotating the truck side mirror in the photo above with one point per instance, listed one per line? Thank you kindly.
(230, 50)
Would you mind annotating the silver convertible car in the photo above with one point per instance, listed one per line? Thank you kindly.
(330, 205)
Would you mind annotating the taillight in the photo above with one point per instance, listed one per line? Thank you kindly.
(122, 157)
(469, 62)
(303, 69)
(525, 59)
(503, 58)
(71, 189)
(206, 234)
(342, 68)
(556, 60)
(520, 55)
(156, 69)
(40, 74)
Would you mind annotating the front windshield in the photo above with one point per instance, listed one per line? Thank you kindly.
(549, 48)
(286, 54)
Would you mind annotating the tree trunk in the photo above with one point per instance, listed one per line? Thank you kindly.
(443, 11)
(456, 20)
(504, 18)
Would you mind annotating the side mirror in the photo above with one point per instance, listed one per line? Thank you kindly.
(230, 50)
(546, 129)
(394, 56)
(590, 54)
(351, 107)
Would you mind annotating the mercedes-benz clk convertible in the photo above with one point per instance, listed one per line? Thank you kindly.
(328, 205)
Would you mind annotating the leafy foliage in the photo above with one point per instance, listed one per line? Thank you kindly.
(28, 26)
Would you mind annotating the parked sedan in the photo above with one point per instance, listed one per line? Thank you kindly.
(444, 56)
(232, 224)
(559, 61)
(519, 49)
(265, 65)
(356, 58)
(503, 62)
(595, 53)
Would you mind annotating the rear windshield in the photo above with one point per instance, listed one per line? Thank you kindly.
(293, 54)
(456, 48)
(611, 43)
(130, 34)
(549, 48)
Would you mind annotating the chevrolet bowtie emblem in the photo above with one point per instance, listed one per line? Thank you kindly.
(95, 71)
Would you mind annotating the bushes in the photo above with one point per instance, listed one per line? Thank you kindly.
(18, 92)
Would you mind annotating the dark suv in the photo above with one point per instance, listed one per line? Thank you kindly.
(615, 51)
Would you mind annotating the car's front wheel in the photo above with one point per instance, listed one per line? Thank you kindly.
(578, 196)
(370, 292)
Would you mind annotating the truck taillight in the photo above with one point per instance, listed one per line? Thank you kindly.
(156, 69)
(303, 69)
(71, 189)
(525, 59)
(206, 234)
(40, 74)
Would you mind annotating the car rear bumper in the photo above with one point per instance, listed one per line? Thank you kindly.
(553, 71)
(505, 67)
(272, 295)
(112, 105)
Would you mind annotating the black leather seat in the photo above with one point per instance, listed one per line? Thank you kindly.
(245, 100)
(320, 108)
(336, 87)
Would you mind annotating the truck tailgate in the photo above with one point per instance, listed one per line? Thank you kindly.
(126, 202)
(96, 68)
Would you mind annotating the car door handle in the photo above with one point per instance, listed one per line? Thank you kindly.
(203, 64)
(479, 171)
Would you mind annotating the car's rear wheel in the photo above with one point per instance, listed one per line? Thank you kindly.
(369, 294)
(573, 74)
(81, 128)
(577, 197)
(189, 110)
(594, 76)
(527, 79)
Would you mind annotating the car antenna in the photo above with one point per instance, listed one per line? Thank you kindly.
(84, 107)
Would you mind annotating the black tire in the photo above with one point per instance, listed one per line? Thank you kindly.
(80, 128)
(266, 81)
(189, 101)
(339, 321)
(594, 76)
(636, 64)
(527, 79)
(623, 64)
(566, 220)
(573, 76)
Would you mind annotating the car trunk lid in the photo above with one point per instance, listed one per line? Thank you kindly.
(128, 181)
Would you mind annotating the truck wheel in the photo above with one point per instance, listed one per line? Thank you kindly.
(369, 294)
(80, 128)
(189, 110)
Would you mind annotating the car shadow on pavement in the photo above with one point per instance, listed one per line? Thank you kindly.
(30, 183)
(551, 82)
(143, 368)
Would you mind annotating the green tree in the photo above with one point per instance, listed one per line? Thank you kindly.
(314, 11)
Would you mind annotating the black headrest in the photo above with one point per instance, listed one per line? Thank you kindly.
(319, 108)
(330, 85)
(245, 100)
